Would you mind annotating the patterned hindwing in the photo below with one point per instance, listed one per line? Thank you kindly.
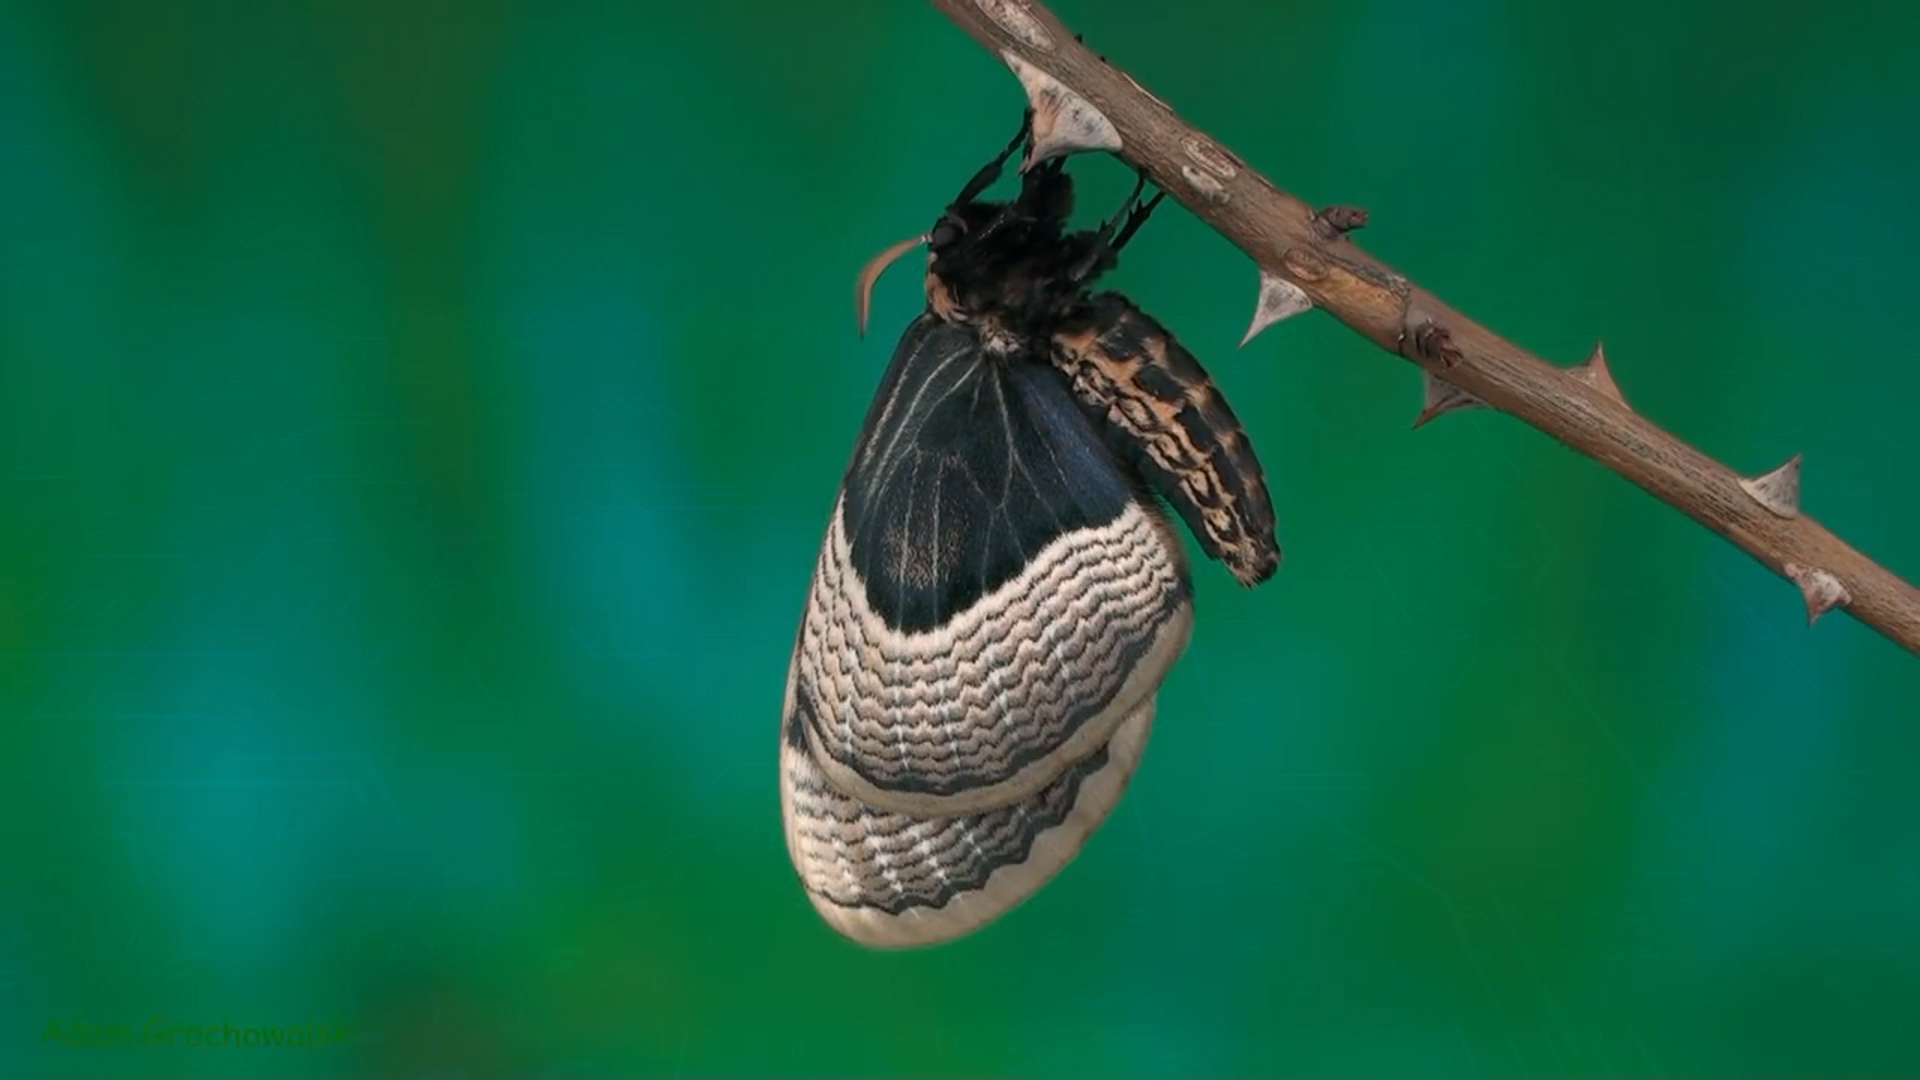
(1166, 412)
(890, 880)
(995, 595)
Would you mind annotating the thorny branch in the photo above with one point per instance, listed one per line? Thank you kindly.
(1082, 103)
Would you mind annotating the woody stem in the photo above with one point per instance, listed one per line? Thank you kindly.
(1082, 102)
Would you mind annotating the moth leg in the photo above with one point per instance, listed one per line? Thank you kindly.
(1013, 208)
(1114, 233)
(990, 172)
(1105, 236)
(1136, 218)
(1100, 248)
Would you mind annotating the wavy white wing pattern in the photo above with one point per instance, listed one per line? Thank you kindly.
(996, 602)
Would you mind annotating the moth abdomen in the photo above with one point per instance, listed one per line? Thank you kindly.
(1165, 414)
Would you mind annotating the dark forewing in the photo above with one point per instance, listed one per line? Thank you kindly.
(1165, 413)
(968, 467)
(995, 595)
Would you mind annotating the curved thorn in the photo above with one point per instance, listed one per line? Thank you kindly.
(1279, 299)
(1442, 397)
(1779, 490)
(1594, 372)
(1063, 121)
(1821, 590)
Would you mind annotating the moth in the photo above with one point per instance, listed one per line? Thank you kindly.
(1001, 588)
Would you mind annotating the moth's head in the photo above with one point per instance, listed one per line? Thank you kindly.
(1010, 260)
(1003, 259)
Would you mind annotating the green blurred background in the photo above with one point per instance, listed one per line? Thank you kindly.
(417, 421)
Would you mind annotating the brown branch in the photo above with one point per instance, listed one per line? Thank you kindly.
(1082, 103)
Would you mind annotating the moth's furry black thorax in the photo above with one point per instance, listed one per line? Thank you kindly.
(1013, 267)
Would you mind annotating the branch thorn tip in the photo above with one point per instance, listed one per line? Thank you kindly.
(1779, 490)
(1279, 299)
(1821, 590)
(1063, 121)
(1595, 373)
(1441, 397)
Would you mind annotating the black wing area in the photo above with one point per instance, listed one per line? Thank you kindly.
(968, 464)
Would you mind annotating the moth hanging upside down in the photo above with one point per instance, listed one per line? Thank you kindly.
(1000, 591)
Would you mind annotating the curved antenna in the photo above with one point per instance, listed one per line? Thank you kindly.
(870, 273)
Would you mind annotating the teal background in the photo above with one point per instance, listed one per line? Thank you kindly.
(417, 421)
